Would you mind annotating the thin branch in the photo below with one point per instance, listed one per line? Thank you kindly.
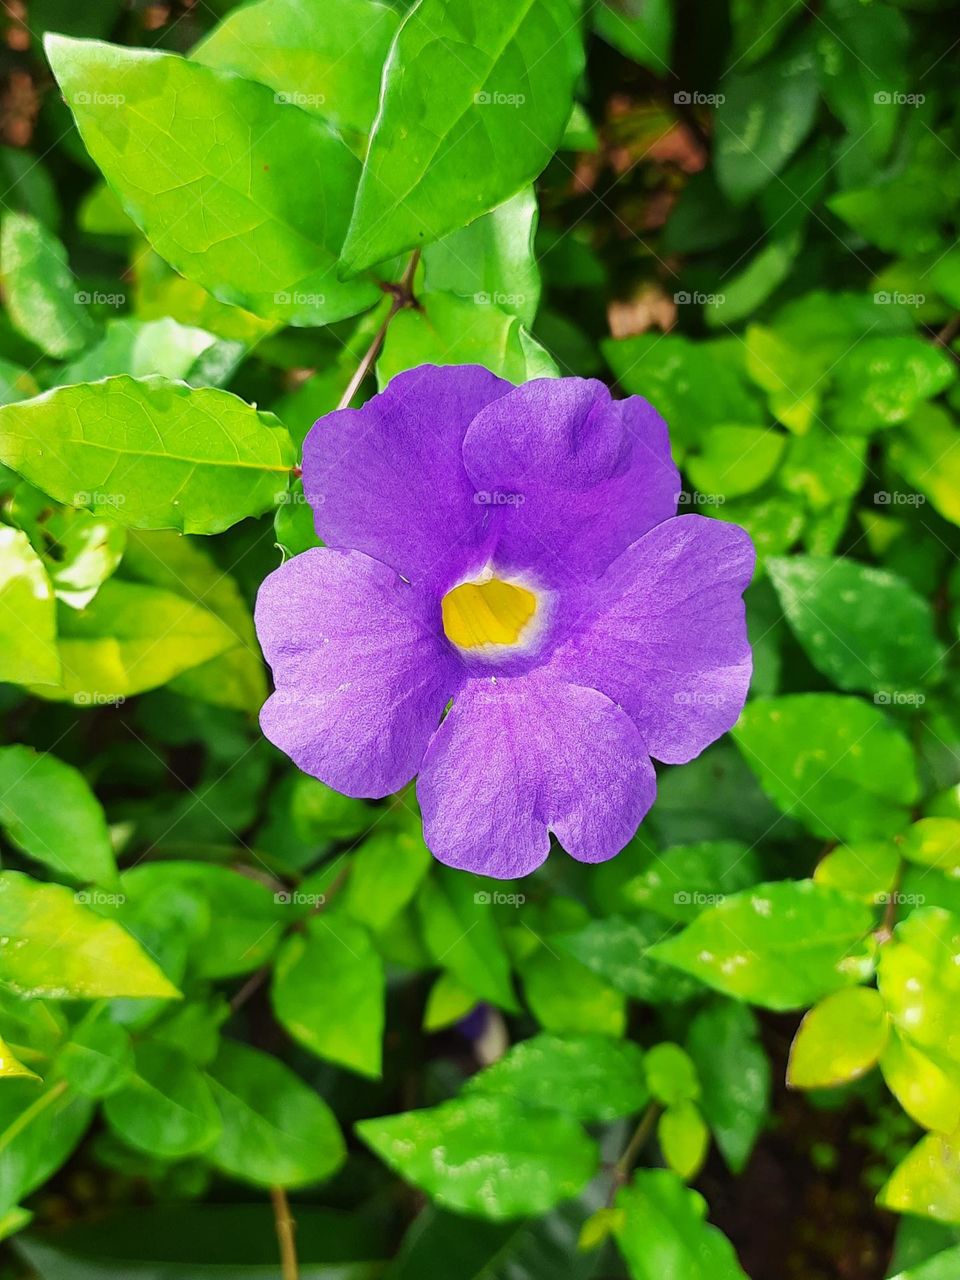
(641, 1136)
(402, 298)
(286, 1233)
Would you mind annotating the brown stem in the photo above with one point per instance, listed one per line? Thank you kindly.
(641, 1135)
(402, 297)
(948, 332)
(286, 1232)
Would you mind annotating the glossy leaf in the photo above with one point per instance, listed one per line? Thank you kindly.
(167, 1108)
(839, 1040)
(662, 1231)
(925, 1183)
(28, 628)
(40, 291)
(735, 1077)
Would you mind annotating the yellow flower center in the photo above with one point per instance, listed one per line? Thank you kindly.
(477, 614)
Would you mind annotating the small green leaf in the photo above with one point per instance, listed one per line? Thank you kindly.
(834, 763)
(276, 1131)
(591, 1077)
(925, 452)
(934, 842)
(926, 1093)
(619, 950)
(684, 1139)
(460, 932)
(39, 1128)
(662, 1232)
(925, 1182)
(28, 627)
(840, 1039)
(167, 1108)
(335, 956)
(234, 208)
(868, 869)
(681, 881)
(40, 291)
(48, 810)
(882, 381)
(463, 84)
(565, 997)
(735, 1077)
(862, 627)
(486, 1154)
(447, 1003)
(10, 1065)
(781, 945)
(385, 874)
(642, 29)
(150, 453)
(735, 460)
(58, 949)
(671, 1074)
(919, 979)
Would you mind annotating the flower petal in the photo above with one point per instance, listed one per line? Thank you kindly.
(519, 757)
(664, 634)
(576, 475)
(388, 478)
(361, 676)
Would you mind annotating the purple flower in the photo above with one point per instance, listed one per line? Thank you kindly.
(507, 605)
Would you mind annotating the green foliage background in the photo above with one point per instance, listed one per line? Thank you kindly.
(221, 982)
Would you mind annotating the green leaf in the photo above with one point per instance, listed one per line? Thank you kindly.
(464, 84)
(447, 1003)
(671, 1074)
(85, 551)
(591, 1077)
(486, 1154)
(934, 842)
(927, 1094)
(49, 812)
(839, 1040)
(919, 979)
(565, 997)
(235, 678)
(684, 1139)
(619, 950)
(734, 1076)
(385, 873)
(11, 1067)
(59, 949)
(662, 1232)
(445, 329)
(925, 1182)
(925, 452)
(781, 945)
(834, 763)
(167, 1108)
(681, 881)
(40, 290)
(735, 460)
(28, 627)
(98, 1060)
(150, 453)
(460, 932)
(276, 1131)
(141, 348)
(326, 62)
(694, 385)
(234, 208)
(758, 25)
(868, 869)
(239, 920)
(334, 955)
(642, 29)
(112, 648)
(943, 1266)
(765, 114)
(882, 381)
(861, 627)
(38, 1131)
(491, 261)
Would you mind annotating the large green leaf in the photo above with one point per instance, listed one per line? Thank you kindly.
(919, 979)
(48, 810)
(486, 1155)
(475, 98)
(839, 1040)
(150, 453)
(131, 638)
(276, 1131)
(925, 451)
(642, 29)
(881, 382)
(735, 1077)
(661, 1231)
(765, 114)
(28, 626)
(925, 1182)
(862, 627)
(334, 957)
(618, 950)
(59, 949)
(460, 931)
(39, 1128)
(834, 763)
(591, 1077)
(40, 291)
(325, 59)
(781, 945)
(238, 190)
